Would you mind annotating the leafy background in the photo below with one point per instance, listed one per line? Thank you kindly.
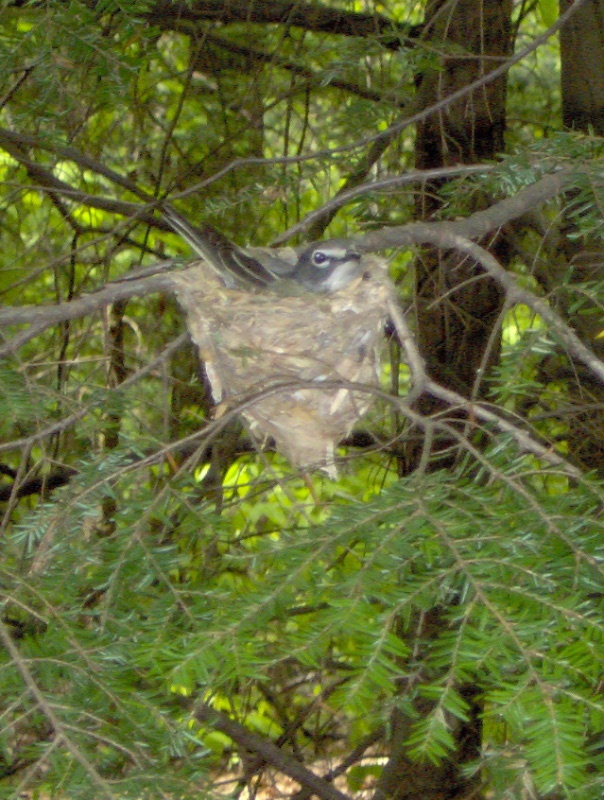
(427, 623)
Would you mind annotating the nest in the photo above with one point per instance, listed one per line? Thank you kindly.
(289, 360)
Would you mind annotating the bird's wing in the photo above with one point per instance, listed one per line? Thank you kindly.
(280, 262)
(233, 264)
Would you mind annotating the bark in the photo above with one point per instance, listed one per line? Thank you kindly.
(308, 16)
(578, 257)
(458, 307)
(582, 76)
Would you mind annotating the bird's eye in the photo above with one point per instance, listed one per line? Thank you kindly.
(319, 258)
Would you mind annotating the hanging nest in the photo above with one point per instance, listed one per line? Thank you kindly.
(263, 350)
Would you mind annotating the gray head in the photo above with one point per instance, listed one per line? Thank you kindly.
(328, 266)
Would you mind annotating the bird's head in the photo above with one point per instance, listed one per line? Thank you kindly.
(328, 266)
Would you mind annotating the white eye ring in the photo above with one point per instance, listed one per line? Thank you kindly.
(320, 259)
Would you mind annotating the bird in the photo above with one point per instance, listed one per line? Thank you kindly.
(290, 338)
(321, 268)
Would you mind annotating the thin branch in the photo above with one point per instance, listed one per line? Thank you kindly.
(323, 18)
(415, 360)
(445, 235)
(399, 126)
(476, 225)
(327, 211)
(270, 753)
(312, 76)
(47, 710)
(42, 317)
(14, 143)
(525, 441)
(355, 755)
(12, 139)
(64, 424)
(324, 214)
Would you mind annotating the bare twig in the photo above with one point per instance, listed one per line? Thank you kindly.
(324, 213)
(270, 753)
(399, 126)
(41, 317)
(445, 235)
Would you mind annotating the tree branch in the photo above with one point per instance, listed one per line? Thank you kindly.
(445, 235)
(169, 15)
(249, 54)
(270, 753)
(42, 317)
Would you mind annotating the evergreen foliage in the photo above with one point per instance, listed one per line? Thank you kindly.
(144, 581)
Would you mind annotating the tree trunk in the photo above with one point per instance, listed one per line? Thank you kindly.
(458, 307)
(458, 304)
(578, 259)
(582, 77)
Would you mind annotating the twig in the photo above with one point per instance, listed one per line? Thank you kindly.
(270, 753)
